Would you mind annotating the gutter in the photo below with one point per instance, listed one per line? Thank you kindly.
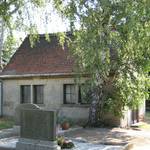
(41, 75)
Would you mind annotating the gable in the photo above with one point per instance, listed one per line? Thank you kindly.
(44, 58)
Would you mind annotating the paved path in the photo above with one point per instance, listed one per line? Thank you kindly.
(115, 136)
(101, 135)
(10, 144)
(7, 133)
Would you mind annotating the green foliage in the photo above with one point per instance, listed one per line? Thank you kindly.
(17, 15)
(47, 37)
(10, 7)
(112, 46)
(9, 48)
(33, 37)
(60, 140)
(61, 38)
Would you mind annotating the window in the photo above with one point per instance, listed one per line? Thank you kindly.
(25, 93)
(74, 94)
(38, 94)
(70, 94)
(32, 94)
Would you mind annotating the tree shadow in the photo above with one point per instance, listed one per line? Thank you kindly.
(114, 136)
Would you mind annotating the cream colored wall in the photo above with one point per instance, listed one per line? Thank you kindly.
(53, 96)
(53, 99)
(78, 113)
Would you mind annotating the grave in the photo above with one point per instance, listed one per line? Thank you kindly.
(23, 106)
(18, 114)
(38, 130)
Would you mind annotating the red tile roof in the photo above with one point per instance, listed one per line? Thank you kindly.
(44, 58)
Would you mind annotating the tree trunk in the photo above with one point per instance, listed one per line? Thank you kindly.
(96, 108)
(92, 113)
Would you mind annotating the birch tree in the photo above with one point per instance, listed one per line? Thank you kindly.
(112, 46)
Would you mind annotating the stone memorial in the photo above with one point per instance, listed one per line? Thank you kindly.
(20, 107)
(38, 130)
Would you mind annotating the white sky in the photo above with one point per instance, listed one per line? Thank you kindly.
(46, 19)
(53, 20)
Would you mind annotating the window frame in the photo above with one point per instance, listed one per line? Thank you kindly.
(33, 94)
(64, 92)
(77, 92)
(22, 98)
(80, 99)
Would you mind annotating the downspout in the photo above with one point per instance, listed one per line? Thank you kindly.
(1, 39)
(1, 48)
(1, 98)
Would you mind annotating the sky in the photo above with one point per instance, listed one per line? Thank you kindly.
(46, 19)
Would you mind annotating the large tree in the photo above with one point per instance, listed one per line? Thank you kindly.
(112, 46)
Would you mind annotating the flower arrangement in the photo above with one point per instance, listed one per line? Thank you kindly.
(64, 143)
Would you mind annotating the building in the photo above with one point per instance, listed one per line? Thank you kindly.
(44, 75)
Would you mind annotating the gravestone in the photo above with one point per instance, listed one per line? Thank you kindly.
(38, 130)
(17, 117)
(19, 108)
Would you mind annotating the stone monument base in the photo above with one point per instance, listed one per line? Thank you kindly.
(30, 144)
(16, 129)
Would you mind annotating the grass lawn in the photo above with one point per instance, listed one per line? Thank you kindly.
(6, 123)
